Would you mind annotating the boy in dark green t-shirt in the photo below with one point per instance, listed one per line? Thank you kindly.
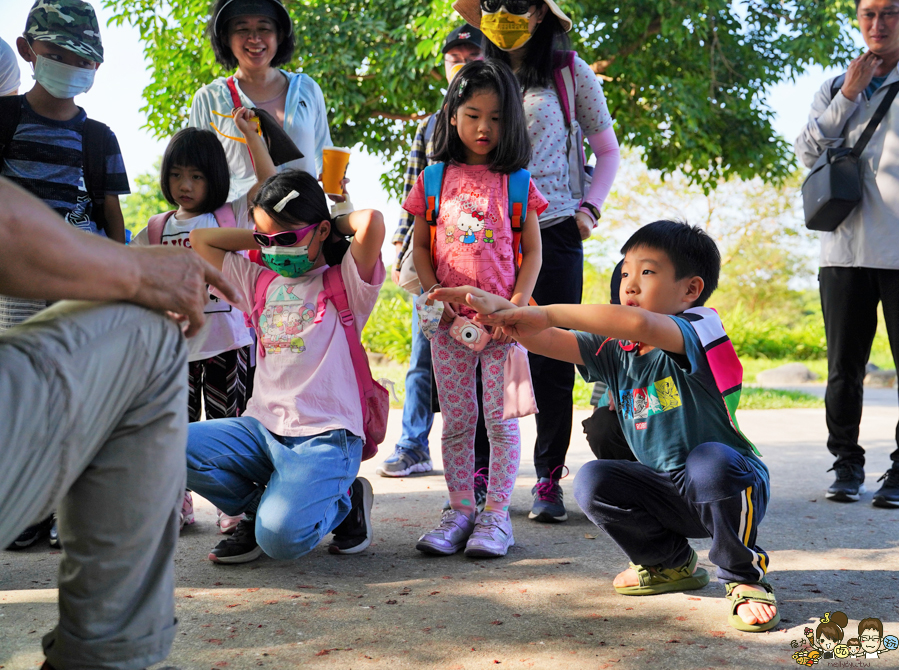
(675, 380)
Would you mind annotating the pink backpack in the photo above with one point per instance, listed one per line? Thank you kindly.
(224, 216)
(374, 398)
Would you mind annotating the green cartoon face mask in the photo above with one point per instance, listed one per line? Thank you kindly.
(289, 262)
(507, 31)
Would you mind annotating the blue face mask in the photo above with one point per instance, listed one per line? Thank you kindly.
(289, 262)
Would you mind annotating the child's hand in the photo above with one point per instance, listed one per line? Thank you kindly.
(478, 299)
(242, 118)
(338, 198)
(449, 314)
(518, 322)
(498, 335)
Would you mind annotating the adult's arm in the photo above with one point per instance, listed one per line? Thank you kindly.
(322, 130)
(70, 264)
(608, 156)
(115, 220)
(827, 120)
(416, 161)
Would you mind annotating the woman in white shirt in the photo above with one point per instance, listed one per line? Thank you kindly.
(256, 37)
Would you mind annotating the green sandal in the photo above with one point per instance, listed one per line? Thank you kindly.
(654, 579)
(737, 599)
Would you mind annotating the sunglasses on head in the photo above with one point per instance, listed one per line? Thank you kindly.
(512, 6)
(289, 238)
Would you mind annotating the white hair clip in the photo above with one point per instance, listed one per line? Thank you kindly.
(283, 202)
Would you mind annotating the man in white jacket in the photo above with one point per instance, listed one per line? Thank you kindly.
(859, 265)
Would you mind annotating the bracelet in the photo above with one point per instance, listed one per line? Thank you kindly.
(591, 210)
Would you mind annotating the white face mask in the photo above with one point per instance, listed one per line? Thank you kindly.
(60, 80)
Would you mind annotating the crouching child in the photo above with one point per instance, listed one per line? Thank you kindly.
(676, 380)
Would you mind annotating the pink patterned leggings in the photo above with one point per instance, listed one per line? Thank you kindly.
(454, 369)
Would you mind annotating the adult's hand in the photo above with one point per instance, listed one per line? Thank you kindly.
(175, 281)
(584, 225)
(861, 71)
(72, 264)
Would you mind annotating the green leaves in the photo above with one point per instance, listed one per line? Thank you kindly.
(685, 81)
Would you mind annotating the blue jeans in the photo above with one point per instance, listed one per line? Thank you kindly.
(417, 415)
(295, 486)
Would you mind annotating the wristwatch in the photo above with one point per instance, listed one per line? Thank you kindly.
(593, 209)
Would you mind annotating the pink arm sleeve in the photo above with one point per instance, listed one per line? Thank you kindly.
(608, 155)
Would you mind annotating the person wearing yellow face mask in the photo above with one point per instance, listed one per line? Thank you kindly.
(531, 36)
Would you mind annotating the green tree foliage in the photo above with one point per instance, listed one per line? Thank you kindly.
(144, 201)
(686, 81)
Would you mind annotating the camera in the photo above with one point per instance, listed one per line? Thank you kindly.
(469, 333)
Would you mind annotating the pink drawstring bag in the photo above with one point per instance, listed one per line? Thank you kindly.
(518, 394)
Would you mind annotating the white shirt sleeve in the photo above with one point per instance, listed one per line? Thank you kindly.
(241, 209)
(142, 239)
(9, 70)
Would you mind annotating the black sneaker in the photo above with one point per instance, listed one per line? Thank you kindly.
(549, 503)
(888, 494)
(849, 483)
(32, 534)
(54, 534)
(240, 546)
(353, 534)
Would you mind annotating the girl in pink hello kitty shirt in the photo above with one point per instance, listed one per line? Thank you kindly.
(481, 138)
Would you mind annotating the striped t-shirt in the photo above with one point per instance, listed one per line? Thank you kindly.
(44, 157)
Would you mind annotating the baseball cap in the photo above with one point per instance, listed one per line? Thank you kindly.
(70, 24)
(464, 34)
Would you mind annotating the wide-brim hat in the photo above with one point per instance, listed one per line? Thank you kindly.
(273, 9)
(70, 24)
(470, 10)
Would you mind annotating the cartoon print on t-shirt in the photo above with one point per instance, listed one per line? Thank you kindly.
(669, 398)
(282, 321)
(640, 404)
(471, 221)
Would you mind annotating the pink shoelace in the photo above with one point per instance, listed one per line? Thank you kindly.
(547, 490)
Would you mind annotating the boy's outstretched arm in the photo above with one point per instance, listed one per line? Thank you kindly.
(528, 325)
(618, 321)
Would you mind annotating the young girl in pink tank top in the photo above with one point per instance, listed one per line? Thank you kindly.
(481, 139)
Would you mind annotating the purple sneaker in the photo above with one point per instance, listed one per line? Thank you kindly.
(449, 537)
(492, 536)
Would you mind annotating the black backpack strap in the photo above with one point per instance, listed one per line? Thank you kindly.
(881, 112)
(93, 156)
(10, 114)
(836, 85)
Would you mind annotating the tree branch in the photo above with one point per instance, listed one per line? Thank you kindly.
(654, 28)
